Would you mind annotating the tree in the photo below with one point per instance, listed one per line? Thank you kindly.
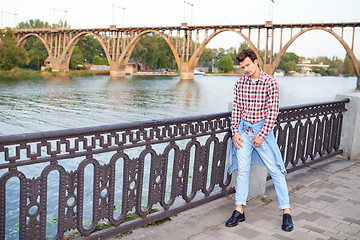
(226, 64)
(77, 58)
(10, 53)
(33, 23)
(97, 60)
(289, 61)
(348, 66)
(91, 48)
(243, 45)
(153, 52)
(207, 55)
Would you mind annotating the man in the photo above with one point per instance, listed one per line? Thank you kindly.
(255, 108)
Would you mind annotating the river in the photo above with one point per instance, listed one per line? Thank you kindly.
(60, 103)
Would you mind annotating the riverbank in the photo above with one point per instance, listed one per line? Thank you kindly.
(18, 73)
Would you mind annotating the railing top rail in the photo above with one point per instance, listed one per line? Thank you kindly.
(274, 25)
(105, 128)
(9, 139)
(294, 107)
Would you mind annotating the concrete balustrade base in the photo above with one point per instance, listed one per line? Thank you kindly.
(350, 134)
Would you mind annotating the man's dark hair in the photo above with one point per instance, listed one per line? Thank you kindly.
(246, 53)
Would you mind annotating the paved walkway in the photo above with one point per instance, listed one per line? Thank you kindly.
(325, 201)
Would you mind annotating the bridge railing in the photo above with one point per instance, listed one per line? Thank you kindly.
(77, 181)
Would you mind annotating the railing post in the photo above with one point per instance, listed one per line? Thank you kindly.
(350, 133)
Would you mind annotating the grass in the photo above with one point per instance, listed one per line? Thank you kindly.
(19, 73)
(265, 200)
(129, 217)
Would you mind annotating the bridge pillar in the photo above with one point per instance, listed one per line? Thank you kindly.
(117, 71)
(186, 74)
(57, 65)
(268, 68)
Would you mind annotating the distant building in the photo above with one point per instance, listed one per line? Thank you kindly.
(307, 68)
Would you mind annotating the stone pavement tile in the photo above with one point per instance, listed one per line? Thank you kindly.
(215, 234)
(352, 220)
(302, 199)
(281, 237)
(314, 229)
(268, 225)
(318, 205)
(311, 194)
(276, 228)
(327, 229)
(300, 235)
(201, 236)
(327, 199)
(308, 216)
(335, 193)
(247, 233)
(354, 201)
(347, 229)
(264, 237)
(230, 235)
(327, 222)
(340, 236)
(301, 222)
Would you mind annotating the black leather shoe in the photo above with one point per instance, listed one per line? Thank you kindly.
(287, 225)
(235, 218)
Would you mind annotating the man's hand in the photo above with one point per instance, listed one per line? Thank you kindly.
(237, 140)
(257, 141)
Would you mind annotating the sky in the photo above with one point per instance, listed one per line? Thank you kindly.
(139, 13)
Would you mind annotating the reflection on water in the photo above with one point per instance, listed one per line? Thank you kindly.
(186, 93)
(60, 103)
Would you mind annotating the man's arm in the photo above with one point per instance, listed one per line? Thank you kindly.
(272, 109)
(236, 112)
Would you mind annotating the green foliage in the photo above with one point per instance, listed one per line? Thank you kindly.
(11, 54)
(348, 67)
(77, 59)
(226, 64)
(33, 23)
(207, 55)
(123, 234)
(289, 61)
(92, 50)
(152, 52)
(336, 65)
(36, 53)
(243, 45)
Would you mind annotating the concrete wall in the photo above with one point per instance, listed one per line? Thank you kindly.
(350, 134)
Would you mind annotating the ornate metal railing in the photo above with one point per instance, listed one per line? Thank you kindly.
(71, 180)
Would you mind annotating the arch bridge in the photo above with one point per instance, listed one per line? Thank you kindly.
(186, 42)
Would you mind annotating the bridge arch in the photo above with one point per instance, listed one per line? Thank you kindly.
(197, 54)
(126, 54)
(24, 39)
(352, 56)
(72, 44)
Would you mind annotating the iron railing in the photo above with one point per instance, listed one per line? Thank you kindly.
(87, 176)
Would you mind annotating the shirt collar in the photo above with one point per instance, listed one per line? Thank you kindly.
(260, 78)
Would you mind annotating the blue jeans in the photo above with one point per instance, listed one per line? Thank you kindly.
(244, 161)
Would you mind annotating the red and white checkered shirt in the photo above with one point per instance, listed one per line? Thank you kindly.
(255, 101)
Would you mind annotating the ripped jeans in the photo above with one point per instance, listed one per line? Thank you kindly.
(244, 162)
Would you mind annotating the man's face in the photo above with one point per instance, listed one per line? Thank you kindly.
(249, 66)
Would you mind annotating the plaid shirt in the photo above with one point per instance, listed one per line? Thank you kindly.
(254, 102)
